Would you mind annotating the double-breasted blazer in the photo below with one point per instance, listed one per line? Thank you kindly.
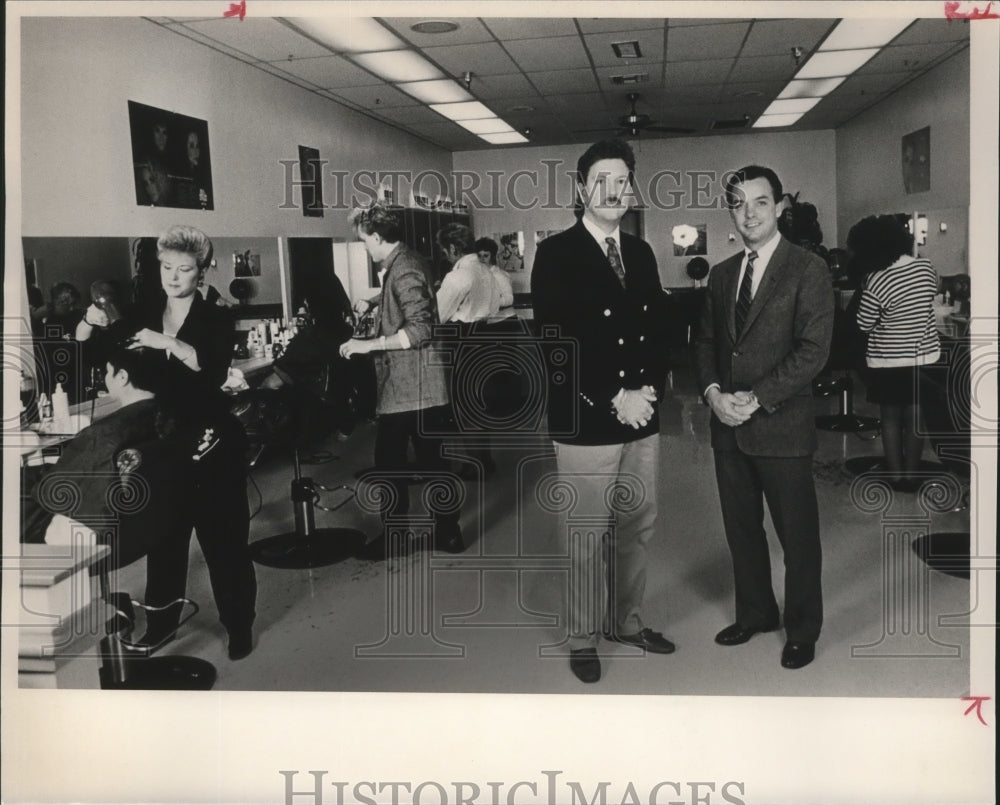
(408, 379)
(617, 336)
(784, 345)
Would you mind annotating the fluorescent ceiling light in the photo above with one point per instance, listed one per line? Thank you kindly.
(835, 63)
(863, 33)
(442, 91)
(348, 35)
(471, 110)
(771, 121)
(398, 65)
(791, 106)
(489, 125)
(504, 139)
(811, 87)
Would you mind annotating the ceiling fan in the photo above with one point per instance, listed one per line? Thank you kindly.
(635, 122)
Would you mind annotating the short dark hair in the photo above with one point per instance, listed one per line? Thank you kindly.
(487, 245)
(377, 219)
(605, 149)
(878, 241)
(747, 174)
(144, 367)
(457, 235)
(187, 240)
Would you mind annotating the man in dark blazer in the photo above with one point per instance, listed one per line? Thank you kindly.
(765, 334)
(601, 289)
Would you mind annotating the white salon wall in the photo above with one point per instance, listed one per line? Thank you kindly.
(869, 161)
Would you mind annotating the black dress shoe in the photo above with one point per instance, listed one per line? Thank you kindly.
(240, 643)
(653, 642)
(797, 655)
(585, 664)
(736, 634)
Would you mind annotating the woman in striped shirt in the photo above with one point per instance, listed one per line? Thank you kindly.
(896, 312)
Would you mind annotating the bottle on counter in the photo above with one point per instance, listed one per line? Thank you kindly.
(60, 409)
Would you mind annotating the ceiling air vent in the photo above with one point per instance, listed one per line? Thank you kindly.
(738, 123)
(632, 78)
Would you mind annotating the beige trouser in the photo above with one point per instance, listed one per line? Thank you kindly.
(615, 491)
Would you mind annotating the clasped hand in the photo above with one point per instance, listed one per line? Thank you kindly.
(732, 409)
(96, 317)
(635, 407)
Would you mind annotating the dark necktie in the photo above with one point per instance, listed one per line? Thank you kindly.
(745, 297)
(616, 260)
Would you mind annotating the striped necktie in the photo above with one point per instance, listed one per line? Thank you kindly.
(616, 260)
(745, 296)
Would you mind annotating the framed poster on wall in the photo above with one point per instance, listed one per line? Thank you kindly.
(170, 158)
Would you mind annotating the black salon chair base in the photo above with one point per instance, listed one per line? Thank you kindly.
(164, 673)
(945, 551)
(308, 546)
(126, 665)
(862, 464)
(845, 420)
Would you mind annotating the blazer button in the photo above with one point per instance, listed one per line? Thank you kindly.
(645, 308)
(621, 373)
(621, 341)
(607, 312)
(642, 338)
(736, 353)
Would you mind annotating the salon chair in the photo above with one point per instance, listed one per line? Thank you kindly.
(945, 398)
(292, 417)
(148, 494)
(846, 353)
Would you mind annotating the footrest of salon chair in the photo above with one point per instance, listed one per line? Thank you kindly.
(847, 423)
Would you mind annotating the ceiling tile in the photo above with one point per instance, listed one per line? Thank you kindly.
(411, 115)
(737, 90)
(559, 53)
(376, 97)
(551, 82)
(771, 37)
(506, 105)
(469, 30)
(650, 45)
(680, 22)
(500, 86)
(905, 58)
(680, 96)
(712, 71)
(483, 59)
(606, 24)
(328, 72)
(533, 28)
(765, 68)
(264, 39)
(584, 101)
(934, 31)
(873, 84)
(694, 42)
(654, 80)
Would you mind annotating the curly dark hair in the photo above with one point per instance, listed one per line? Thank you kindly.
(377, 219)
(878, 241)
(457, 235)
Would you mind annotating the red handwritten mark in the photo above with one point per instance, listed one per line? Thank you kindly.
(970, 11)
(977, 705)
(240, 10)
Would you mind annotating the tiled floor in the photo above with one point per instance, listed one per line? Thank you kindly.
(489, 620)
